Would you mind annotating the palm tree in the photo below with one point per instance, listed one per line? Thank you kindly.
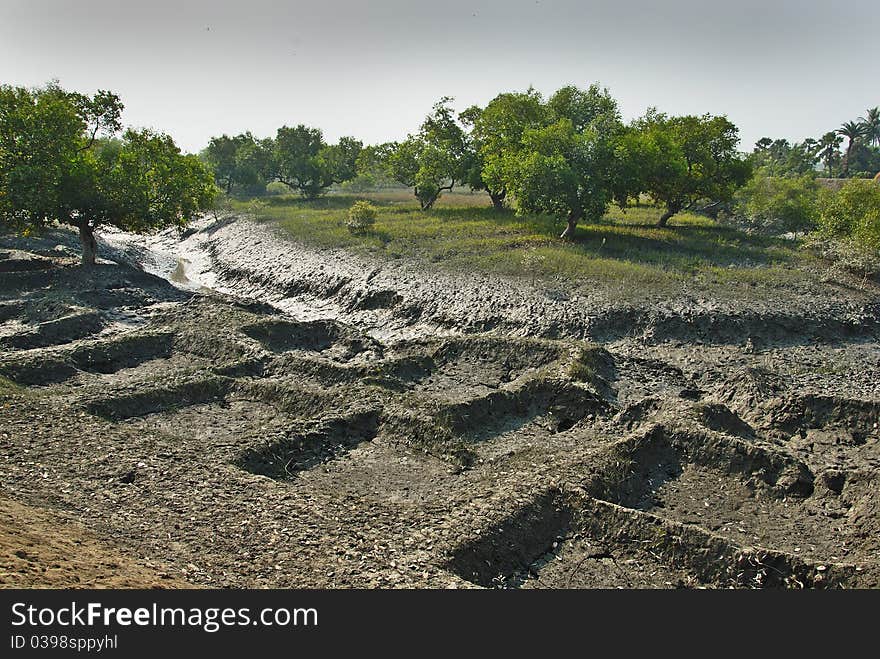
(853, 132)
(829, 151)
(871, 126)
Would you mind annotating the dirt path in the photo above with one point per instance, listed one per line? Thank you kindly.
(41, 549)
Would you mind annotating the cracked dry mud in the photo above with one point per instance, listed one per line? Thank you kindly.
(237, 445)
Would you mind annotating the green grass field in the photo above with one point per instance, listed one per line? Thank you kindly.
(625, 249)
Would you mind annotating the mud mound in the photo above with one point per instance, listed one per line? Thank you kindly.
(282, 459)
(281, 336)
(494, 559)
(483, 417)
(17, 261)
(103, 356)
(302, 399)
(722, 419)
(634, 415)
(372, 299)
(161, 398)
(55, 332)
(37, 370)
(126, 351)
(479, 364)
(595, 365)
(748, 388)
(568, 540)
(648, 460)
(639, 378)
(118, 298)
(823, 411)
(770, 327)
(10, 310)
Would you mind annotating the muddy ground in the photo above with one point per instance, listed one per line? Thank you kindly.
(234, 410)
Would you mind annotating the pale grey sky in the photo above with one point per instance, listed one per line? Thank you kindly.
(373, 69)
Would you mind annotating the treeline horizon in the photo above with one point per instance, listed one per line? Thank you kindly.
(570, 155)
(64, 157)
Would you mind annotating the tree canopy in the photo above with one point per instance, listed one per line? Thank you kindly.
(494, 131)
(304, 162)
(561, 157)
(241, 161)
(60, 162)
(688, 159)
(435, 159)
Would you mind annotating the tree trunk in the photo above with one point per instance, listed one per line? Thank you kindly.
(664, 219)
(498, 199)
(571, 224)
(846, 156)
(426, 203)
(89, 245)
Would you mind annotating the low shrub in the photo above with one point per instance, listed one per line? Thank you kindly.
(774, 205)
(852, 214)
(361, 217)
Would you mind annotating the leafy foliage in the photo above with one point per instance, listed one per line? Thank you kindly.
(435, 159)
(304, 162)
(361, 217)
(780, 158)
(871, 126)
(496, 130)
(55, 166)
(852, 214)
(688, 159)
(775, 205)
(829, 151)
(241, 161)
(566, 165)
(853, 131)
(371, 170)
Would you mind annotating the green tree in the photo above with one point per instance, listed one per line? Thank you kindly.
(254, 164)
(871, 126)
(774, 204)
(371, 168)
(58, 163)
(304, 162)
(338, 161)
(864, 160)
(220, 155)
(567, 168)
(780, 158)
(240, 161)
(853, 131)
(434, 160)
(829, 151)
(852, 214)
(688, 159)
(496, 130)
(296, 156)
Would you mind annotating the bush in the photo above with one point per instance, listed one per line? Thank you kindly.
(276, 188)
(852, 214)
(775, 205)
(361, 217)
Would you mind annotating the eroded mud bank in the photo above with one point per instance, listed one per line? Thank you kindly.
(279, 416)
